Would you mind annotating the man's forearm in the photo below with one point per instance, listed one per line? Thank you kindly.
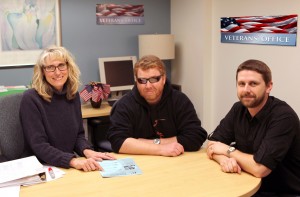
(245, 161)
(162, 140)
(249, 165)
(218, 158)
(139, 146)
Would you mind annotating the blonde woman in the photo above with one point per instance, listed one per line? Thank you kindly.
(50, 114)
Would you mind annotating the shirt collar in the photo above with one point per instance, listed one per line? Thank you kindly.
(263, 112)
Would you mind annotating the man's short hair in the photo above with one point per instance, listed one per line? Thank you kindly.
(148, 62)
(258, 66)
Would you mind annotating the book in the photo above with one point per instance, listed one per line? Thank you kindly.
(24, 171)
(119, 167)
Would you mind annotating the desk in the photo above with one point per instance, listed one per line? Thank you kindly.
(88, 111)
(191, 174)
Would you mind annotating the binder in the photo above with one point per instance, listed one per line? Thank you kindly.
(25, 171)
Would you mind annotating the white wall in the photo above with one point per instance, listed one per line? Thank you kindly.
(202, 54)
(191, 25)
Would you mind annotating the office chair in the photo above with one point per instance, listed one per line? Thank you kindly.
(12, 143)
(176, 87)
(99, 127)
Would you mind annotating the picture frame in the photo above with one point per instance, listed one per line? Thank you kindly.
(26, 28)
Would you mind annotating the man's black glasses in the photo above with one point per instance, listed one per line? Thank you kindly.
(151, 79)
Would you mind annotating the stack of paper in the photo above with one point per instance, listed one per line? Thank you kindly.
(25, 171)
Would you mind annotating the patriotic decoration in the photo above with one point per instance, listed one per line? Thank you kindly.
(114, 14)
(86, 93)
(272, 30)
(95, 91)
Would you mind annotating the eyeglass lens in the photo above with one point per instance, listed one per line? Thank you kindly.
(151, 79)
(52, 68)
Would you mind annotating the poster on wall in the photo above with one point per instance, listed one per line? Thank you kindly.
(265, 30)
(27, 27)
(116, 14)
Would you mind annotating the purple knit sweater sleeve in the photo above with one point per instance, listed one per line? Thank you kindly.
(53, 130)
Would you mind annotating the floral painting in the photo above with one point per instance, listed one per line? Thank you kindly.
(27, 26)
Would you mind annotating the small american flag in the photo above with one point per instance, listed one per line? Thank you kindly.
(283, 24)
(86, 93)
(95, 91)
(106, 91)
(96, 94)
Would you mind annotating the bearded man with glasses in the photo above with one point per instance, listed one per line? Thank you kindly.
(154, 118)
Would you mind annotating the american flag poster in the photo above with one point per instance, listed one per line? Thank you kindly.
(265, 30)
(116, 14)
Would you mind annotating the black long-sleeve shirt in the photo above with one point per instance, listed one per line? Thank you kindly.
(175, 115)
(272, 136)
(53, 130)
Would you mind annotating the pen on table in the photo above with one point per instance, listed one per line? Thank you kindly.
(52, 175)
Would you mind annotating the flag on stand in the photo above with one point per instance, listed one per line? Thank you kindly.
(106, 91)
(86, 93)
(96, 94)
(95, 91)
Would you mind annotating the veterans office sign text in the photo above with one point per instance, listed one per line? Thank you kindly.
(267, 30)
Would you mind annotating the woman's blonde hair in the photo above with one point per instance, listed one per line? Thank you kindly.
(39, 82)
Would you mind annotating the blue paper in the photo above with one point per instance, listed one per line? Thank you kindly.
(119, 167)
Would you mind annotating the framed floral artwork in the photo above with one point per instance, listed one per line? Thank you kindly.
(27, 27)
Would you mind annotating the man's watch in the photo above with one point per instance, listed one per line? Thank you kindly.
(230, 150)
(156, 141)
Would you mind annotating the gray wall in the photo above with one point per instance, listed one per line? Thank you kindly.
(88, 41)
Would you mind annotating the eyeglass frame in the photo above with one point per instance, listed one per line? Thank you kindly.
(59, 67)
(145, 80)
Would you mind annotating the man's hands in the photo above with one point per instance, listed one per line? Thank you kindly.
(216, 148)
(230, 165)
(172, 149)
(218, 152)
(91, 161)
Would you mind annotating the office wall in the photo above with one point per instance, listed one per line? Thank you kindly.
(89, 41)
(191, 25)
(283, 60)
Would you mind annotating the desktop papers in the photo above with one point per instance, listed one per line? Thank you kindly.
(25, 171)
(58, 173)
(119, 167)
(11, 191)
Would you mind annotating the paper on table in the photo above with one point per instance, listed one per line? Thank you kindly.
(119, 167)
(11, 191)
(57, 172)
(27, 170)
